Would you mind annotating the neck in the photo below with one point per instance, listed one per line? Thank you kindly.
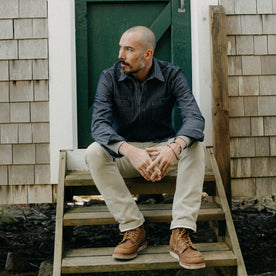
(142, 75)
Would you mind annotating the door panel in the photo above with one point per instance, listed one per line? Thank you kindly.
(99, 26)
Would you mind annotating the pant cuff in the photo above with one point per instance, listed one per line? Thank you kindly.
(131, 225)
(184, 224)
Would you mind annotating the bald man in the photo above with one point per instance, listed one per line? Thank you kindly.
(134, 136)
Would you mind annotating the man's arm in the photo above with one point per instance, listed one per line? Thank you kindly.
(193, 123)
(191, 129)
(102, 118)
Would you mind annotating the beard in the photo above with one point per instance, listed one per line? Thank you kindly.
(132, 72)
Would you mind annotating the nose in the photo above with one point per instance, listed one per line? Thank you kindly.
(121, 54)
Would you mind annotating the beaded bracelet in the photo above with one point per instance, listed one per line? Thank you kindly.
(181, 149)
(173, 151)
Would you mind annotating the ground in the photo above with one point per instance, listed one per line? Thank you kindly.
(29, 231)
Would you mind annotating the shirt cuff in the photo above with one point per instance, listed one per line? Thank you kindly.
(115, 146)
(187, 140)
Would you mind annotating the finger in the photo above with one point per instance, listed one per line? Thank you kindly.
(153, 148)
(165, 170)
(156, 175)
(154, 164)
(162, 165)
(154, 153)
(145, 175)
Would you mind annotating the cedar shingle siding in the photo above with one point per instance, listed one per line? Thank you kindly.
(24, 102)
(252, 95)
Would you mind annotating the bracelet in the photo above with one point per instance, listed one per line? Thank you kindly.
(181, 148)
(173, 151)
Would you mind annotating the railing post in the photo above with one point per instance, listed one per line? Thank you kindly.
(220, 107)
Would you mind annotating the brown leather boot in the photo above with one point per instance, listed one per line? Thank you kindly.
(184, 251)
(133, 242)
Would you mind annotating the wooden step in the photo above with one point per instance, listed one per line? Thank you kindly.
(89, 260)
(81, 183)
(98, 215)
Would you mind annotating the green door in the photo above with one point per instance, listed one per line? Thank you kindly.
(99, 26)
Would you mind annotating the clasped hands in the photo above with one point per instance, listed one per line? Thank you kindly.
(141, 159)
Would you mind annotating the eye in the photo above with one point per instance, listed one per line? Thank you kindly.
(129, 49)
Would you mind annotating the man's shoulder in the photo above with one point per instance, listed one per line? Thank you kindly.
(165, 65)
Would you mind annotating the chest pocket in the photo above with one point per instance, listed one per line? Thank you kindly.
(160, 108)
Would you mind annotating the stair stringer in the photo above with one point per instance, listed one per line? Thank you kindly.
(231, 236)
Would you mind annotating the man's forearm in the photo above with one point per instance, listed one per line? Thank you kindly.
(124, 148)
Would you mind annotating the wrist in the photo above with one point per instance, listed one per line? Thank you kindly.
(173, 150)
(181, 142)
(177, 148)
(124, 148)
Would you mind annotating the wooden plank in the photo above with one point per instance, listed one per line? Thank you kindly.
(91, 217)
(149, 259)
(162, 22)
(220, 106)
(59, 216)
(234, 243)
(181, 51)
(143, 207)
(157, 249)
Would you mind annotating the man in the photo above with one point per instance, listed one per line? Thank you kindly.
(133, 133)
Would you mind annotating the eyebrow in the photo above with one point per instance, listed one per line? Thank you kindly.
(126, 46)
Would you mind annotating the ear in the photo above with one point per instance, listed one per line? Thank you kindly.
(148, 54)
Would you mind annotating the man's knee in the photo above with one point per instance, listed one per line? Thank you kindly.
(95, 155)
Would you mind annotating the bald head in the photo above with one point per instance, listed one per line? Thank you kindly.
(147, 37)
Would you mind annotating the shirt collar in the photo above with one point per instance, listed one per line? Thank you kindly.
(156, 72)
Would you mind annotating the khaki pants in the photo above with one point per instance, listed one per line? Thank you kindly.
(108, 174)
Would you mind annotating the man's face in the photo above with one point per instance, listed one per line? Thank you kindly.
(131, 53)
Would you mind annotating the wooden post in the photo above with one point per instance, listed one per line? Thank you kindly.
(220, 108)
(59, 215)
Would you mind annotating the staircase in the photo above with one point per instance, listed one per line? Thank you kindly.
(224, 252)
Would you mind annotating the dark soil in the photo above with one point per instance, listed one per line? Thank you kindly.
(257, 236)
(29, 231)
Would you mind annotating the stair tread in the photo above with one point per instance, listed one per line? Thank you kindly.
(87, 260)
(95, 215)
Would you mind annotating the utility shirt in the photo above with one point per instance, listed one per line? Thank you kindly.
(127, 110)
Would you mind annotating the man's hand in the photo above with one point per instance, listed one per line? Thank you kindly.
(166, 157)
(140, 160)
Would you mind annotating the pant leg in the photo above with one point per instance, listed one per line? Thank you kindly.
(189, 183)
(110, 183)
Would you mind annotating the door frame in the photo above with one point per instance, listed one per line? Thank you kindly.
(62, 73)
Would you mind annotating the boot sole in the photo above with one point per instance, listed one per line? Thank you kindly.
(132, 256)
(190, 266)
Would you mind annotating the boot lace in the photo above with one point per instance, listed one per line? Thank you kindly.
(130, 235)
(185, 237)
